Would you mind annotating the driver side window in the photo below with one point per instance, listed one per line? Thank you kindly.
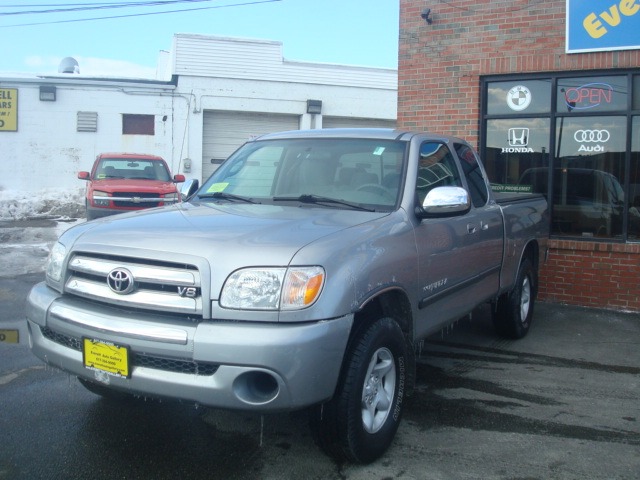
(436, 168)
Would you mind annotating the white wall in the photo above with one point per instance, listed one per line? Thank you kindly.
(47, 151)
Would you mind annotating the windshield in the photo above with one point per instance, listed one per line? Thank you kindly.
(334, 173)
(138, 169)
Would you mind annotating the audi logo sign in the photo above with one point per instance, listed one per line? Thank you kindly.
(592, 136)
(121, 281)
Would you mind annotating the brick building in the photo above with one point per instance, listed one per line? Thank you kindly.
(549, 92)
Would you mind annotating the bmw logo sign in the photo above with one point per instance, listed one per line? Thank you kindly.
(519, 98)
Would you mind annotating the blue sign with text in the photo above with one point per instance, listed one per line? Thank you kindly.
(596, 25)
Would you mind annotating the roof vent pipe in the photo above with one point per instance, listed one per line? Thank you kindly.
(68, 65)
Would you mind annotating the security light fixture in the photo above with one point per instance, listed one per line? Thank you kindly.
(47, 93)
(425, 14)
(314, 106)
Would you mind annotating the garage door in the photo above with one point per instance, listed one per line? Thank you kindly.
(346, 122)
(224, 132)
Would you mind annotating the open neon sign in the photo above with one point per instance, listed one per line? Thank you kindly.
(590, 95)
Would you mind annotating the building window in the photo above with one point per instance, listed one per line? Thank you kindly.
(513, 98)
(138, 124)
(515, 147)
(589, 94)
(633, 217)
(582, 152)
(636, 92)
(588, 176)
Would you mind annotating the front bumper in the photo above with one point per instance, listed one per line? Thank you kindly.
(93, 213)
(235, 365)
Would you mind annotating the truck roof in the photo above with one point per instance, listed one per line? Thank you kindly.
(381, 133)
(145, 156)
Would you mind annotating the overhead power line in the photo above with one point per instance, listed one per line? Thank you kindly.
(101, 6)
(78, 7)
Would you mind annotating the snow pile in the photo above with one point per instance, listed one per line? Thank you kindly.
(50, 203)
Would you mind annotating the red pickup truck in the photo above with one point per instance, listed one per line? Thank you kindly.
(122, 182)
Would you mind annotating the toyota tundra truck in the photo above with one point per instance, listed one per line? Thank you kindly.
(301, 275)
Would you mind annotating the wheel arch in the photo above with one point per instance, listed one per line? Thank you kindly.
(394, 303)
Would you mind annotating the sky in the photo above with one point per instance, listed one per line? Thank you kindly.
(347, 32)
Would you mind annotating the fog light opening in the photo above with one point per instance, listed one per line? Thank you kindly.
(256, 387)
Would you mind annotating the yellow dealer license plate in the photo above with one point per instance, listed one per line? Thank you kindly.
(106, 357)
(9, 336)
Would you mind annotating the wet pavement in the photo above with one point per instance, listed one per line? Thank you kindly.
(563, 403)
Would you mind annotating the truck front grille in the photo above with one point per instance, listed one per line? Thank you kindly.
(141, 360)
(61, 339)
(136, 199)
(132, 283)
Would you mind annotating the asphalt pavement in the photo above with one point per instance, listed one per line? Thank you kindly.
(563, 403)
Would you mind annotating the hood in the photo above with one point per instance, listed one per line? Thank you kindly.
(228, 236)
(133, 185)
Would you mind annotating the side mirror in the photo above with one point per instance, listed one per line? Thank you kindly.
(84, 175)
(445, 202)
(188, 188)
(178, 178)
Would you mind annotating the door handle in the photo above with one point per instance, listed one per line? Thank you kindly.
(471, 228)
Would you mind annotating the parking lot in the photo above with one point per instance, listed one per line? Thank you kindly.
(562, 403)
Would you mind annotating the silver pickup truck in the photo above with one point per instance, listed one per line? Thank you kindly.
(300, 275)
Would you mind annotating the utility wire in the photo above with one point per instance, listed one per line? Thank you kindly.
(141, 14)
(74, 7)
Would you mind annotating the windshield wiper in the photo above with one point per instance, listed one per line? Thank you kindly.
(317, 199)
(227, 196)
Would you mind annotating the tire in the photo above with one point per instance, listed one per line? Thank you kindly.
(360, 422)
(88, 214)
(514, 311)
(105, 392)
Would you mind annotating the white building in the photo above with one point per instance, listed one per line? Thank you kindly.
(221, 92)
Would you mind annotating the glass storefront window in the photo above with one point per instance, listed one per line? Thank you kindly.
(592, 94)
(588, 176)
(634, 183)
(519, 97)
(514, 147)
(574, 138)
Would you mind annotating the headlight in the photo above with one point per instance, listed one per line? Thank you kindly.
(253, 289)
(100, 199)
(272, 288)
(54, 262)
(302, 287)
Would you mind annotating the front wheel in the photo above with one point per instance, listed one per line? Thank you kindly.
(514, 311)
(359, 423)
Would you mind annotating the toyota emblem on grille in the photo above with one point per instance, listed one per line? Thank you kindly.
(120, 280)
